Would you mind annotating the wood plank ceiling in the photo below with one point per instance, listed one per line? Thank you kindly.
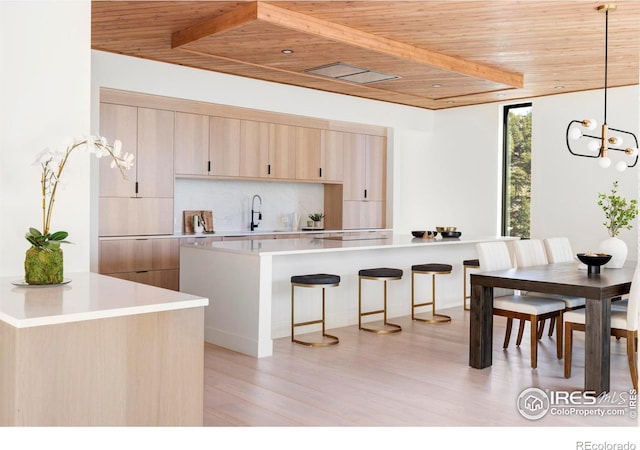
(442, 54)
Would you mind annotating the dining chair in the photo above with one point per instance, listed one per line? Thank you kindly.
(532, 252)
(624, 324)
(558, 249)
(506, 303)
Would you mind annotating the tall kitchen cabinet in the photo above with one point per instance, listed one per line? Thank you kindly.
(207, 145)
(141, 204)
(360, 201)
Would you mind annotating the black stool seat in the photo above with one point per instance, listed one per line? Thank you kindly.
(471, 262)
(381, 272)
(432, 267)
(316, 278)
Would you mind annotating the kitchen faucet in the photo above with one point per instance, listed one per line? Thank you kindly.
(254, 225)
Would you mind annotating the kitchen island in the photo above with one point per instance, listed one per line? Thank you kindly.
(100, 351)
(248, 282)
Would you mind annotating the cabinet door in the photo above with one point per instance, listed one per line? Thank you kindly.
(308, 152)
(135, 216)
(192, 144)
(224, 146)
(155, 153)
(282, 151)
(254, 149)
(359, 214)
(332, 155)
(375, 169)
(118, 122)
(355, 157)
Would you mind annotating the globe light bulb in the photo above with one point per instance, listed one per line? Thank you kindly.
(621, 166)
(616, 141)
(604, 162)
(632, 151)
(593, 146)
(590, 124)
(575, 133)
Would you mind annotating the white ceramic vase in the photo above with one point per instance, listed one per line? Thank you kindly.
(618, 250)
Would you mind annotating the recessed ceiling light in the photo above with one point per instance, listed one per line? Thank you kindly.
(501, 95)
(450, 101)
(558, 87)
(287, 51)
(436, 85)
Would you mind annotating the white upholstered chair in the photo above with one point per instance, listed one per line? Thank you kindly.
(624, 324)
(558, 249)
(496, 256)
(532, 252)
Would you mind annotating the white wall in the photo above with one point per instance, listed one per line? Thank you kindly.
(44, 97)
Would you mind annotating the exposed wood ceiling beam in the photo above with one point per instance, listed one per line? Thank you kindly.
(278, 16)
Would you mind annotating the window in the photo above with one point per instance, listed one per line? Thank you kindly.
(516, 188)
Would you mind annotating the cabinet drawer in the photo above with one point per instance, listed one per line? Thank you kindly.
(135, 216)
(133, 255)
(167, 279)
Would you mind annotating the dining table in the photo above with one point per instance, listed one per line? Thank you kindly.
(567, 278)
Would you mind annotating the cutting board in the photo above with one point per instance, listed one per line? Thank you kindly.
(187, 223)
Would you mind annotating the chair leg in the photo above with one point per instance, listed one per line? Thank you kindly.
(534, 343)
(552, 323)
(631, 355)
(559, 336)
(520, 333)
(507, 333)
(568, 348)
(540, 328)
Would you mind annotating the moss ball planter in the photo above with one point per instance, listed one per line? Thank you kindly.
(43, 266)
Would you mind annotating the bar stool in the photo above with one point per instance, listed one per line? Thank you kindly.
(318, 280)
(466, 265)
(384, 274)
(432, 269)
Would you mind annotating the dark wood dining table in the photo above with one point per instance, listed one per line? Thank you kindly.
(559, 278)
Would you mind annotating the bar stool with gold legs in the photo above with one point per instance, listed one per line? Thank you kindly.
(468, 264)
(432, 269)
(318, 280)
(384, 274)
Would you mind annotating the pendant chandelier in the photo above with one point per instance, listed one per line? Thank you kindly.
(586, 145)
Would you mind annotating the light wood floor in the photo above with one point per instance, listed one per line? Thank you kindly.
(419, 377)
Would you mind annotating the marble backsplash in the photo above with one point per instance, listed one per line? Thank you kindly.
(230, 202)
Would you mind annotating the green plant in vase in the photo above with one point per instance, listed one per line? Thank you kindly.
(44, 259)
(316, 218)
(619, 214)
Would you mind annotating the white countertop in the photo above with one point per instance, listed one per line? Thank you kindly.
(329, 244)
(234, 233)
(87, 296)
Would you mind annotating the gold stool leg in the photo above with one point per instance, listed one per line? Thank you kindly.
(392, 327)
(332, 340)
(435, 317)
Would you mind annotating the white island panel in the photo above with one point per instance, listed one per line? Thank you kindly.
(248, 282)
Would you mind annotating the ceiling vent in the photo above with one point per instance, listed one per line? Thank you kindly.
(346, 72)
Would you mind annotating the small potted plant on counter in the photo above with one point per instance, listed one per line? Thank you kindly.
(316, 218)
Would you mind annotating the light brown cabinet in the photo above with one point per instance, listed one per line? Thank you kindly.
(360, 201)
(207, 145)
(138, 204)
(333, 146)
(308, 146)
(282, 151)
(254, 149)
(149, 261)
